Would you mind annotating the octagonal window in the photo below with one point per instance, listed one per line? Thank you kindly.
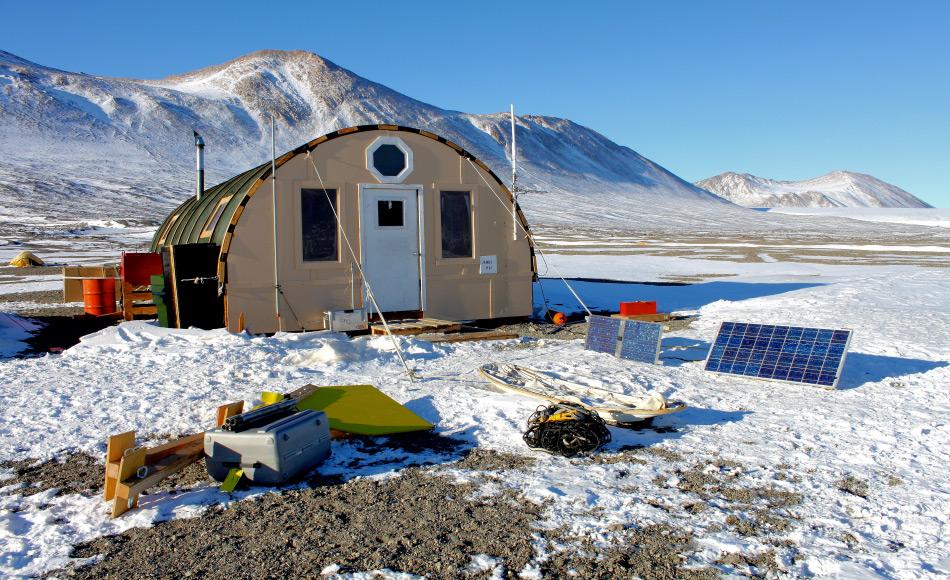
(389, 160)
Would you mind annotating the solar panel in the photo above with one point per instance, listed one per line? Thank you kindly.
(603, 333)
(627, 339)
(641, 341)
(782, 353)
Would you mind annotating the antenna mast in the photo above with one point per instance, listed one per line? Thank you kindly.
(273, 175)
(514, 179)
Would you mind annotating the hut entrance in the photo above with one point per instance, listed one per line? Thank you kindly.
(390, 243)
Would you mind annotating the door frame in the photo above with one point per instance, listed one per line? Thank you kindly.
(420, 227)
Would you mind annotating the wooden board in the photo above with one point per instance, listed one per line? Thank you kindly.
(226, 411)
(467, 336)
(137, 301)
(421, 326)
(131, 470)
(361, 410)
(115, 449)
(127, 491)
(658, 317)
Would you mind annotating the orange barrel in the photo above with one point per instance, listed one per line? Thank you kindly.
(98, 296)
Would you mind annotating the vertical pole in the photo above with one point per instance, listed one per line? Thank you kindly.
(199, 166)
(273, 174)
(514, 179)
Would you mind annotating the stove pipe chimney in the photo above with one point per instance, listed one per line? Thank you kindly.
(199, 165)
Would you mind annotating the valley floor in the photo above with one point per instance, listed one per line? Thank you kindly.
(754, 478)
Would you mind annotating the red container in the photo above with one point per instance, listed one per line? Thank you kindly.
(641, 307)
(137, 268)
(98, 296)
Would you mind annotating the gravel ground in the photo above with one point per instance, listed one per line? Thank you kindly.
(421, 522)
(75, 473)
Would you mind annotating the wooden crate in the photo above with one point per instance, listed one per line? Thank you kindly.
(74, 275)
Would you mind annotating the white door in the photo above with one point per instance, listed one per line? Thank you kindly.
(389, 220)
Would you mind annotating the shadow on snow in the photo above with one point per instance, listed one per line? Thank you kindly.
(860, 369)
(606, 295)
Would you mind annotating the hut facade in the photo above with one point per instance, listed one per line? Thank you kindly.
(427, 225)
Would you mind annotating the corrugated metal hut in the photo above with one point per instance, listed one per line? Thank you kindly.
(427, 225)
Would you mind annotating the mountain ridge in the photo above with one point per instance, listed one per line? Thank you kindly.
(837, 188)
(134, 133)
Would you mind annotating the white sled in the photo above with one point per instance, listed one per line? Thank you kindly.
(614, 408)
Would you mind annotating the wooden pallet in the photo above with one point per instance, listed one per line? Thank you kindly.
(131, 469)
(137, 301)
(658, 317)
(423, 326)
(467, 336)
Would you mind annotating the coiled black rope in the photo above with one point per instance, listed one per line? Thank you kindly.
(566, 429)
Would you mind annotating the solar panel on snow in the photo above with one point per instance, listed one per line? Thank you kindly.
(782, 353)
(627, 339)
(602, 334)
(641, 341)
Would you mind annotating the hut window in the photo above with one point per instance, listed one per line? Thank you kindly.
(456, 224)
(389, 213)
(389, 160)
(318, 225)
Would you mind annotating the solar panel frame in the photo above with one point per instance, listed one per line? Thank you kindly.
(780, 352)
(603, 334)
(633, 341)
(609, 335)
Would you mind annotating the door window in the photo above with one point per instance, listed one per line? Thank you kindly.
(389, 213)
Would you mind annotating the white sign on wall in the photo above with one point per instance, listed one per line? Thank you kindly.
(488, 265)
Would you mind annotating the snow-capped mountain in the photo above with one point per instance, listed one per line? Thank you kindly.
(835, 189)
(126, 144)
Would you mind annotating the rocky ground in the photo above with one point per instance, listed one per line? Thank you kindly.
(433, 521)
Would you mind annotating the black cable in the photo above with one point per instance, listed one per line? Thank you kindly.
(566, 429)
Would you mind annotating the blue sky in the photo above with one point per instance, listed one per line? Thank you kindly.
(785, 90)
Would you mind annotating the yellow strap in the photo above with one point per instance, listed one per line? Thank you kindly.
(230, 482)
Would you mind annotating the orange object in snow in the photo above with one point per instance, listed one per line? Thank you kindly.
(640, 307)
(559, 318)
(98, 296)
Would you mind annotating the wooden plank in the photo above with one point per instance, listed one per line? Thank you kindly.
(658, 317)
(128, 466)
(156, 454)
(115, 449)
(228, 410)
(406, 327)
(128, 490)
(467, 336)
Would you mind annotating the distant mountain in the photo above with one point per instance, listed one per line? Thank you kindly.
(835, 189)
(86, 145)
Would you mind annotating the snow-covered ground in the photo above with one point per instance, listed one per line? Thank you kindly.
(921, 217)
(887, 424)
